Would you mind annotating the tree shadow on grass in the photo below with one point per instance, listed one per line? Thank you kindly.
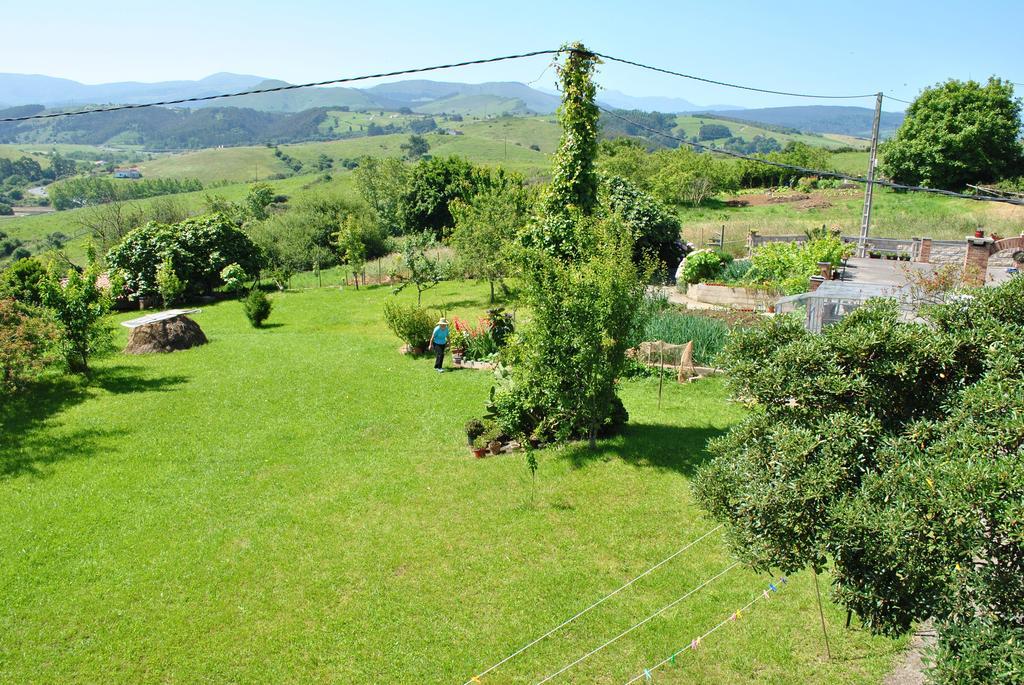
(29, 443)
(673, 448)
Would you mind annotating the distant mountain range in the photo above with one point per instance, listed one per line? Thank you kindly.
(430, 96)
(20, 91)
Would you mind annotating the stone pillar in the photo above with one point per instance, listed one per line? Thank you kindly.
(924, 254)
(816, 282)
(751, 242)
(976, 260)
(825, 270)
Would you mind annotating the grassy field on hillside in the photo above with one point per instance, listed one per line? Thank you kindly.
(689, 125)
(505, 141)
(297, 504)
(33, 229)
(896, 215)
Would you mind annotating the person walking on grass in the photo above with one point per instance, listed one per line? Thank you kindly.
(438, 343)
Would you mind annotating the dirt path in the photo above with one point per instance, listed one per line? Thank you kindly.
(910, 671)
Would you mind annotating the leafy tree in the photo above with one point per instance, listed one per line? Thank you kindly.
(61, 167)
(383, 183)
(354, 238)
(657, 231)
(627, 158)
(199, 247)
(257, 199)
(416, 147)
(485, 229)
(434, 184)
(79, 307)
(713, 132)
(324, 163)
(895, 450)
(420, 126)
(957, 133)
(424, 269)
(687, 178)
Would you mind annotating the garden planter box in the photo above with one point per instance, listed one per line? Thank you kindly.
(730, 296)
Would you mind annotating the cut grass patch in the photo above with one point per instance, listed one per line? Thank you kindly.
(297, 504)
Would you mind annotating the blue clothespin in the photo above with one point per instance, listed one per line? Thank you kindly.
(783, 579)
(771, 586)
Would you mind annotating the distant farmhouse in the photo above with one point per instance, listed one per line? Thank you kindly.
(133, 172)
(452, 132)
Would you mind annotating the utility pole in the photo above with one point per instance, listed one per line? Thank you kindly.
(865, 219)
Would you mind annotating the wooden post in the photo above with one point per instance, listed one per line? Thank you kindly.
(821, 614)
(661, 373)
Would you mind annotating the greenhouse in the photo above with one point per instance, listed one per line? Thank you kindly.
(833, 300)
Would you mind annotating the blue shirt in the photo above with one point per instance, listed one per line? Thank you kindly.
(440, 335)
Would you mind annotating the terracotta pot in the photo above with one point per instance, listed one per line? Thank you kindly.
(494, 446)
(479, 452)
(979, 233)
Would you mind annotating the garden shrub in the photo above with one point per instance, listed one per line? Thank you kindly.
(257, 307)
(702, 266)
(79, 306)
(234, 277)
(167, 282)
(23, 281)
(26, 341)
(413, 325)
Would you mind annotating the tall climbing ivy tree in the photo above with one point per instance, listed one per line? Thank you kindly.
(574, 182)
(582, 285)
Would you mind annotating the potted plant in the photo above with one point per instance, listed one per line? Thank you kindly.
(474, 429)
(479, 447)
(494, 446)
(875, 254)
(891, 256)
(904, 256)
(979, 233)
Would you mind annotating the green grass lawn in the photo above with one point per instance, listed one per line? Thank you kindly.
(297, 504)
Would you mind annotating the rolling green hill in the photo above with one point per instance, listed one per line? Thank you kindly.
(689, 125)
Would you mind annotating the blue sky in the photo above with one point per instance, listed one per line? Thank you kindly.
(824, 47)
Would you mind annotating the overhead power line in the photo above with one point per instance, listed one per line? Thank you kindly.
(610, 58)
(890, 97)
(809, 171)
(566, 622)
(258, 91)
